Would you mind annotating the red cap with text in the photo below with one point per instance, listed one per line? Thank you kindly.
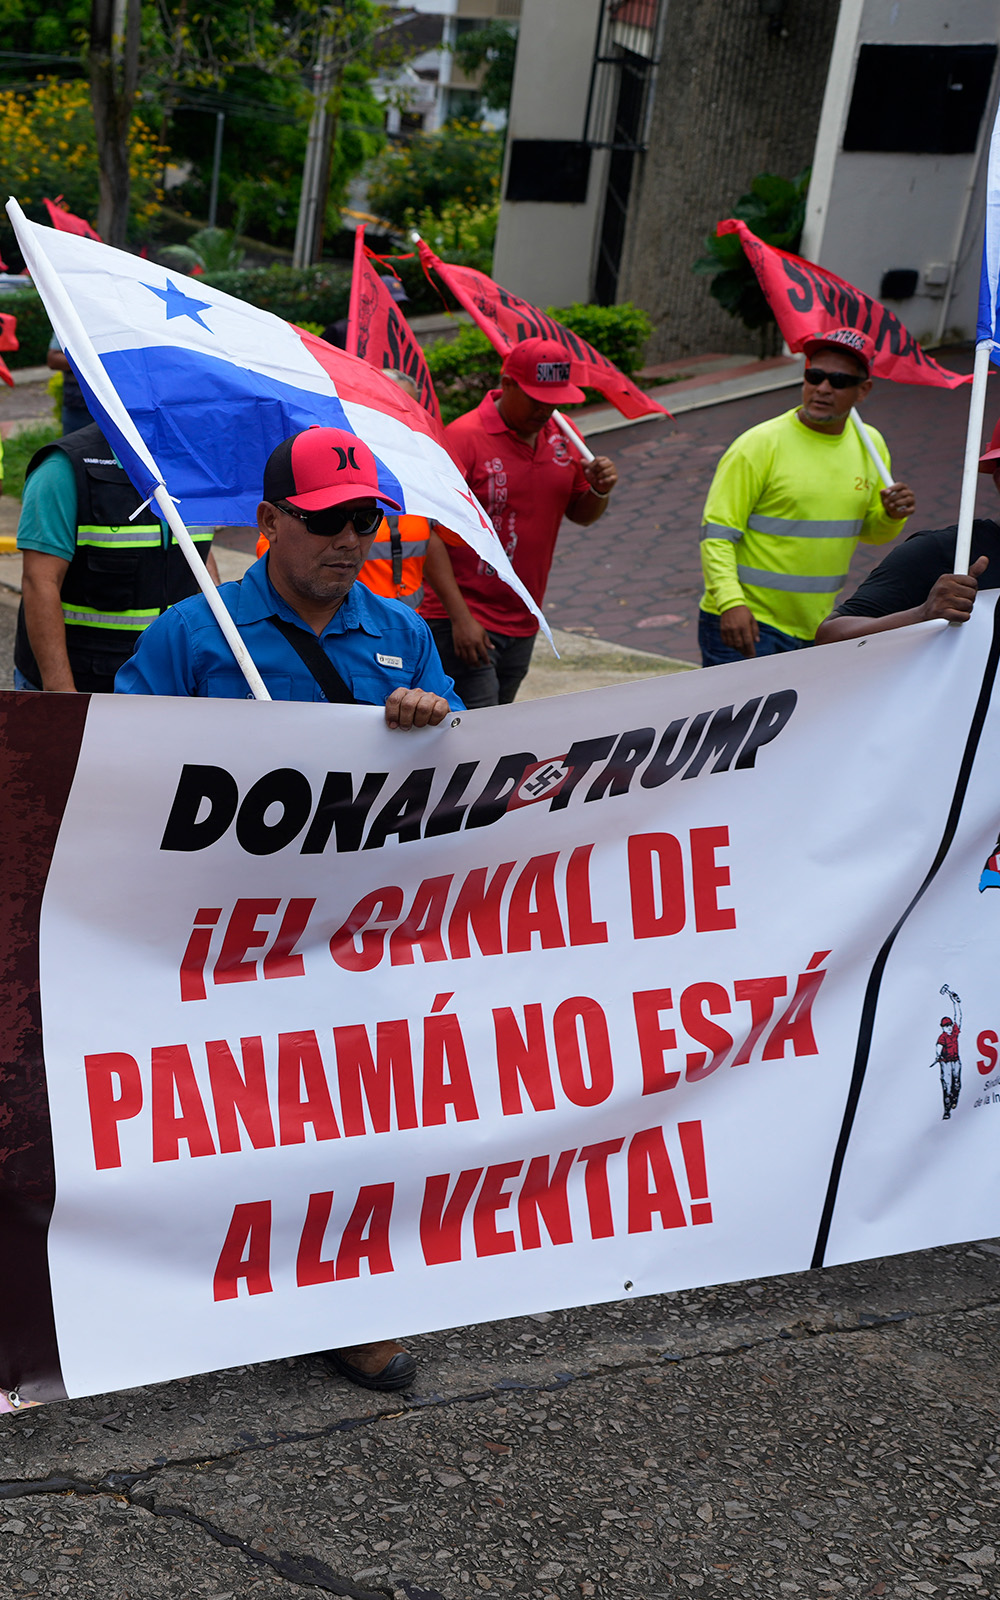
(323, 467)
(851, 340)
(542, 368)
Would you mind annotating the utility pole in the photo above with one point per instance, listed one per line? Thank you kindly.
(315, 170)
(213, 198)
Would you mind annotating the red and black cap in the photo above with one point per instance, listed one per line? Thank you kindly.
(323, 467)
(543, 369)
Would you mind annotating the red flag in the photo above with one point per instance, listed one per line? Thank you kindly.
(807, 299)
(66, 222)
(8, 341)
(506, 319)
(378, 332)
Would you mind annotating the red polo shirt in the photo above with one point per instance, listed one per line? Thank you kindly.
(526, 493)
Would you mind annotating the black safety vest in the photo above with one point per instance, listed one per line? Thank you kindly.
(121, 575)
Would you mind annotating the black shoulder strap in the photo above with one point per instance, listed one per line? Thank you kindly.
(307, 646)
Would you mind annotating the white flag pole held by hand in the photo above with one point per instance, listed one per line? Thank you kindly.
(74, 338)
(869, 444)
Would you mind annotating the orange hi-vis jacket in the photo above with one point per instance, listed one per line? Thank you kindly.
(395, 564)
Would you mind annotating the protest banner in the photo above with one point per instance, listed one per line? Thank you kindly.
(315, 1033)
(506, 319)
(8, 341)
(378, 332)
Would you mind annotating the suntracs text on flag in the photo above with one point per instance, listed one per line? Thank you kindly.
(506, 319)
(807, 299)
(378, 332)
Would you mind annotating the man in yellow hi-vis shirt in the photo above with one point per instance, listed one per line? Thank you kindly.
(789, 501)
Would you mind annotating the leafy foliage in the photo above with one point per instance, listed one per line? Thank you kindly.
(494, 46)
(463, 234)
(313, 294)
(49, 149)
(33, 328)
(461, 162)
(466, 368)
(775, 211)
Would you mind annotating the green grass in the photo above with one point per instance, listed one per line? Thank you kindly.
(17, 452)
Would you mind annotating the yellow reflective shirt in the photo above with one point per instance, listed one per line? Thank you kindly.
(783, 517)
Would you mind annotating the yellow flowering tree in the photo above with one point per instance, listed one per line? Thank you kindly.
(49, 149)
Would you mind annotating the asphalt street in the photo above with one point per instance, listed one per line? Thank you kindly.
(829, 1433)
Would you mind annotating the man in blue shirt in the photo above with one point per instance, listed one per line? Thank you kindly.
(298, 608)
(321, 510)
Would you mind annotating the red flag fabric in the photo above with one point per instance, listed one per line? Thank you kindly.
(506, 319)
(8, 341)
(66, 222)
(378, 332)
(807, 299)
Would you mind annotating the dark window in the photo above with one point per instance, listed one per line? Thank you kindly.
(552, 170)
(922, 98)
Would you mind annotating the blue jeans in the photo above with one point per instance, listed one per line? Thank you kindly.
(21, 682)
(714, 652)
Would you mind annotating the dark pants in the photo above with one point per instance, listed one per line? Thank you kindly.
(494, 683)
(714, 653)
(75, 416)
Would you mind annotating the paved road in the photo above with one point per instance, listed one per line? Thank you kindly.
(825, 1434)
(635, 577)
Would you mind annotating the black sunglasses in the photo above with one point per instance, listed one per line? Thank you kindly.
(837, 380)
(331, 520)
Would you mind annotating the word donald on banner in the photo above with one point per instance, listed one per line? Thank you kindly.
(807, 299)
(211, 385)
(506, 319)
(378, 332)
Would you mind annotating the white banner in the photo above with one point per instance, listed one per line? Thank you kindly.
(351, 1034)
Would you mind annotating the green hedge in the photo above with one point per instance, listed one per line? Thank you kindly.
(467, 367)
(33, 328)
(311, 294)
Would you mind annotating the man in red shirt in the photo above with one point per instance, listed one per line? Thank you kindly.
(522, 470)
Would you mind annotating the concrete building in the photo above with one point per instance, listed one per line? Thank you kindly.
(431, 86)
(636, 124)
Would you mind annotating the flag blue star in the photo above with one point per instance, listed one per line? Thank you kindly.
(179, 304)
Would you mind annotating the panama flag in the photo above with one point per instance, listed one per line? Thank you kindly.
(989, 282)
(193, 389)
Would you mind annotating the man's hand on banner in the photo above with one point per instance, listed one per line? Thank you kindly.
(415, 708)
(953, 596)
(739, 630)
(899, 501)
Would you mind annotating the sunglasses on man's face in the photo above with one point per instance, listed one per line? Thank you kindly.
(837, 380)
(331, 520)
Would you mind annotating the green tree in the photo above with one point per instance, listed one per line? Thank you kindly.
(493, 46)
(775, 210)
(460, 162)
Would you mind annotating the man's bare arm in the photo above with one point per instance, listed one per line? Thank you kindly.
(41, 590)
(469, 638)
(951, 600)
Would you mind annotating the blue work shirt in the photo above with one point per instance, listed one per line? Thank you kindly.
(376, 645)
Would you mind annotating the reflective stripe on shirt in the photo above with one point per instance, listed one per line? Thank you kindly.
(801, 529)
(133, 621)
(793, 582)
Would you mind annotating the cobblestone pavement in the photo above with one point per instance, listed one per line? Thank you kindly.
(826, 1434)
(635, 578)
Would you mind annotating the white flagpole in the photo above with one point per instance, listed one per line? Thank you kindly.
(973, 446)
(72, 333)
(586, 454)
(869, 444)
